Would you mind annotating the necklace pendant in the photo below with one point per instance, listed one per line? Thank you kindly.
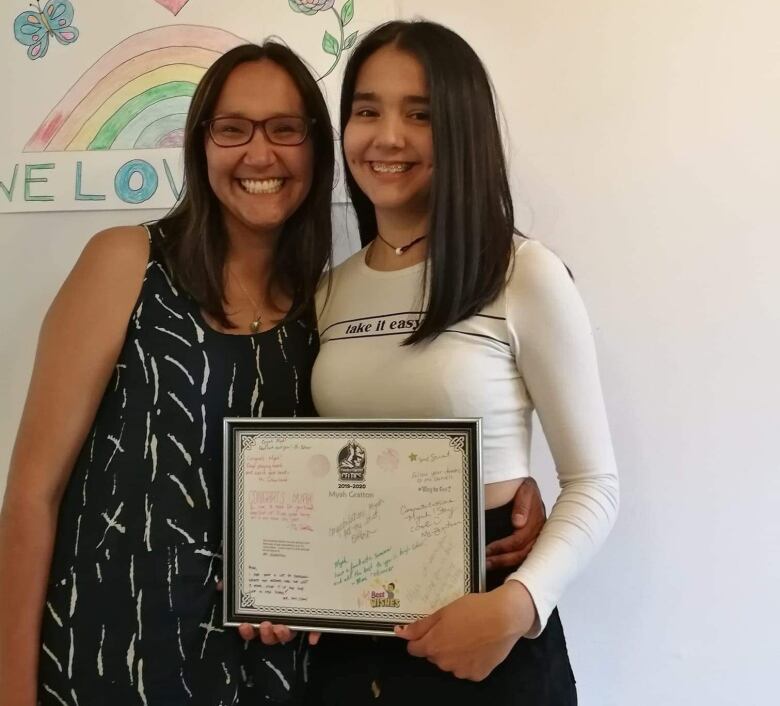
(254, 326)
(399, 251)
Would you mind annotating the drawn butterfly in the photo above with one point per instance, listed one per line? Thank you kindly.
(33, 29)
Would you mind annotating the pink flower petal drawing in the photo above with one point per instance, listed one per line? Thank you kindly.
(174, 6)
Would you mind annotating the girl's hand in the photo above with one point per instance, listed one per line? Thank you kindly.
(474, 634)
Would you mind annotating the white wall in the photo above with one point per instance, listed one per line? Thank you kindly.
(646, 151)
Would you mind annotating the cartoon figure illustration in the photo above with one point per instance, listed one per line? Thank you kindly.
(33, 29)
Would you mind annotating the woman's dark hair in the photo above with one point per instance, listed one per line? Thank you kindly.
(471, 213)
(196, 241)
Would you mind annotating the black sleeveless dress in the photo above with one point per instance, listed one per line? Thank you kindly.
(132, 613)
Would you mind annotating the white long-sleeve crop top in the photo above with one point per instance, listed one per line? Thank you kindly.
(531, 348)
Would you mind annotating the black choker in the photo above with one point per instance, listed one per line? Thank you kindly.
(403, 248)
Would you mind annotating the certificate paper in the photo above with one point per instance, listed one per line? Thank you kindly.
(350, 525)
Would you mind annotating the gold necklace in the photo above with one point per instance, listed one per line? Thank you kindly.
(254, 325)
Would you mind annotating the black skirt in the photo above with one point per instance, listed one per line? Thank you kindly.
(348, 670)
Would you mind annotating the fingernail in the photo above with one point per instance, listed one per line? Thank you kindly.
(518, 518)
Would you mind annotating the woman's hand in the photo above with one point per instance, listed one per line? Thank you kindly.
(474, 634)
(272, 634)
(269, 633)
(528, 516)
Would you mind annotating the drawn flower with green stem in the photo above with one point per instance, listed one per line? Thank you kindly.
(330, 44)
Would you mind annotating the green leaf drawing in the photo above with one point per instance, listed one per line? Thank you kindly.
(347, 12)
(350, 41)
(330, 44)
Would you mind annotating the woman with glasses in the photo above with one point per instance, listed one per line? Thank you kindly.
(110, 542)
(487, 324)
(110, 535)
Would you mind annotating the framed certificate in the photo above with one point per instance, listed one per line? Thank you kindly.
(346, 525)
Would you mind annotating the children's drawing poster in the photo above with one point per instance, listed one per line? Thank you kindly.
(96, 93)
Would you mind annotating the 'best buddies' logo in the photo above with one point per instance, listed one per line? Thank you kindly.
(352, 463)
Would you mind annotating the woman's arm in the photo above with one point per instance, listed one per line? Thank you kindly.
(79, 342)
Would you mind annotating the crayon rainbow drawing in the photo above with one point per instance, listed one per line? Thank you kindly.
(136, 95)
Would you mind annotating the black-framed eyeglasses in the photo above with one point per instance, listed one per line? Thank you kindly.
(286, 130)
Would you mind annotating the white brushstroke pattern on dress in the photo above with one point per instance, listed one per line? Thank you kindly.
(117, 372)
(117, 445)
(205, 489)
(175, 362)
(209, 628)
(203, 427)
(173, 525)
(54, 615)
(175, 335)
(167, 308)
(156, 380)
(71, 649)
(206, 372)
(278, 673)
(184, 683)
(55, 695)
(146, 441)
(178, 639)
(230, 389)
(141, 691)
(198, 329)
(132, 575)
(138, 613)
(100, 651)
(167, 279)
(255, 397)
(170, 594)
(130, 659)
(78, 532)
(183, 489)
(257, 365)
(181, 448)
(181, 406)
(148, 525)
(51, 655)
(154, 455)
(112, 523)
(141, 356)
(74, 594)
(281, 345)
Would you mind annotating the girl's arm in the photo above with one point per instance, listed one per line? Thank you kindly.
(80, 340)
(555, 354)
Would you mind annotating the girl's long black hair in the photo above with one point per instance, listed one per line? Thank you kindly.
(471, 212)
